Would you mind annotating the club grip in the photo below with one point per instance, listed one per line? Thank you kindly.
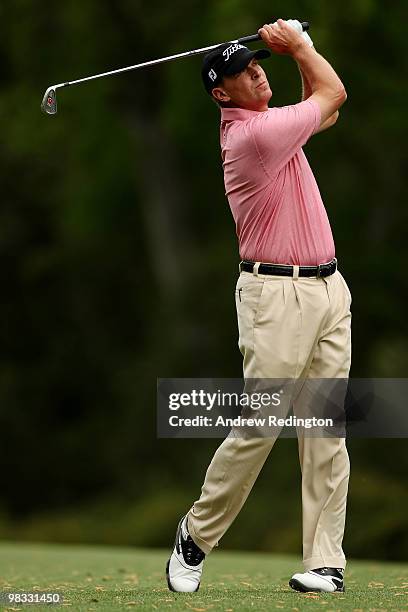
(252, 37)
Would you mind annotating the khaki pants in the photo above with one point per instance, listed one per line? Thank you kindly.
(288, 328)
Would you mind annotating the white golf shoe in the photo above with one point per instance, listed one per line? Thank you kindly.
(320, 580)
(185, 566)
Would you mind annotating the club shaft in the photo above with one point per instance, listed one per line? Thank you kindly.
(143, 65)
(244, 39)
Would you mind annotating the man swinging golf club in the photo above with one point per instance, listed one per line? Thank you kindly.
(293, 305)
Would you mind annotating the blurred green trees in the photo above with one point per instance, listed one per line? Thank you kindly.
(119, 261)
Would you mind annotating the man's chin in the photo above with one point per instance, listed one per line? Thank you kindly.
(267, 96)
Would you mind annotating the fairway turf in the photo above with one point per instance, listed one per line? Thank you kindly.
(99, 578)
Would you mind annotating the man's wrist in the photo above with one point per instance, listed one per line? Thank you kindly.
(300, 49)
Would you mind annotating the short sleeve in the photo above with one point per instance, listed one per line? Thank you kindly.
(280, 133)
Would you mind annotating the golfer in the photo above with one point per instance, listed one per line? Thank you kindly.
(293, 305)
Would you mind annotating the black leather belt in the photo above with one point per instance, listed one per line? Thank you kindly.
(320, 271)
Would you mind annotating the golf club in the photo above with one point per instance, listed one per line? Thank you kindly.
(49, 102)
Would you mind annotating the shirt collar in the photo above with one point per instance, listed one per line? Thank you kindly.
(237, 114)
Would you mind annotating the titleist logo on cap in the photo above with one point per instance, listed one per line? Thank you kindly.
(231, 49)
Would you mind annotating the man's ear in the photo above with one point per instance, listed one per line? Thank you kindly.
(220, 95)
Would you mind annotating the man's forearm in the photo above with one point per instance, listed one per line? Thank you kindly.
(307, 92)
(317, 73)
(306, 89)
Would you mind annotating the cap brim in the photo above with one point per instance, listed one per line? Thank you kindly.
(241, 62)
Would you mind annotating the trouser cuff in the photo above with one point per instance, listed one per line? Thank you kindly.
(205, 547)
(315, 562)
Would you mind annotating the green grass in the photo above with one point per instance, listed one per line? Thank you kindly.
(100, 578)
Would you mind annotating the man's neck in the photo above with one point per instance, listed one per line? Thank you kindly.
(256, 110)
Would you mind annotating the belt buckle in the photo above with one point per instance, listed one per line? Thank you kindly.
(326, 266)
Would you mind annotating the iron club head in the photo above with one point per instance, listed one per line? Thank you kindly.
(49, 102)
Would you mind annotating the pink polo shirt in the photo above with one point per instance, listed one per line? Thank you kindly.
(273, 195)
